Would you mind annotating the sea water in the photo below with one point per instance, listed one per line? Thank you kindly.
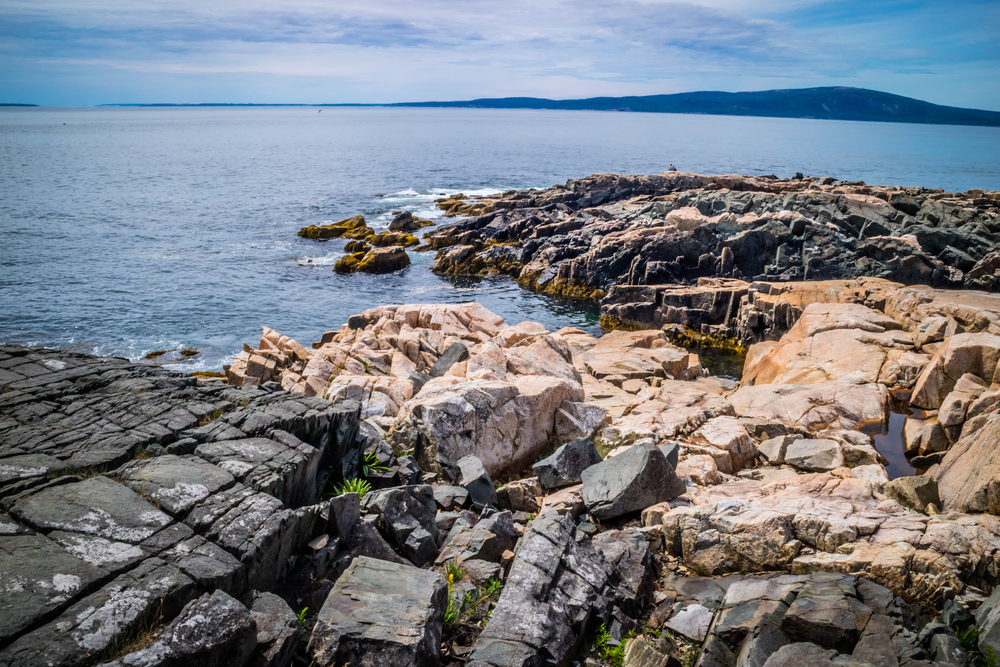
(129, 230)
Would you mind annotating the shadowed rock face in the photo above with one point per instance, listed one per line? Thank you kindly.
(215, 494)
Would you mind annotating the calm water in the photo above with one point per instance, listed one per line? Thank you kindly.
(131, 230)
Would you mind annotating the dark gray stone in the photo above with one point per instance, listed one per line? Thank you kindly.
(456, 353)
(567, 463)
(486, 540)
(760, 644)
(175, 483)
(381, 613)
(824, 615)
(406, 518)
(473, 476)
(800, 654)
(278, 631)
(631, 481)
(671, 451)
(343, 512)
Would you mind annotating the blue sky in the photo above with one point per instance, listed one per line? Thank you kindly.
(83, 52)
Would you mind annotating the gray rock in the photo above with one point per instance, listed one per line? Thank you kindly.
(473, 476)
(456, 352)
(215, 631)
(404, 222)
(175, 483)
(715, 653)
(800, 654)
(480, 571)
(548, 600)
(988, 619)
(451, 498)
(286, 470)
(105, 618)
(914, 492)
(342, 513)
(774, 449)
(630, 565)
(406, 518)
(381, 613)
(946, 648)
(445, 521)
(671, 451)
(814, 455)
(760, 644)
(566, 465)
(631, 481)
(486, 540)
(521, 495)
(693, 622)
(824, 615)
(278, 631)
(640, 654)
(364, 540)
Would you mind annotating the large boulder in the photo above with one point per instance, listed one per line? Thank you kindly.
(381, 613)
(278, 631)
(913, 492)
(405, 517)
(505, 425)
(968, 477)
(975, 353)
(629, 482)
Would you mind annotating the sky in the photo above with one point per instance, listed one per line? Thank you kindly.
(86, 52)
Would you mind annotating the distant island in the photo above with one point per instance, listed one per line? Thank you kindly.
(15, 104)
(832, 103)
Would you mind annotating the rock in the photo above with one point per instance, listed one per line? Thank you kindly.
(700, 470)
(693, 622)
(568, 500)
(486, 540)
(636, 355)
(404, 222)
(822, 616)
(479, 572)
(579, 420)
(566, 465)
(956, 404)
(816, 406)
(505, 425)
(351, 228)
(278, 631)
(669, 410)
(988, 621)
(455, 353)
(473, 476)
(548, 600)
(377, 260)
(967, 477)
(629, 482)
(774, 449)
(640, 654)
(406, 518)
(814, 455)
(521, 495)
(913, 492)
(381, 613)
(450, 497)
(215, 630)
(762, 642)
(802, 653)
(727, 435)
(975, 353)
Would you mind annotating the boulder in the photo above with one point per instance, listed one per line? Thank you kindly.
(693, 622)
(521, 495)
(450, 497)
(579, 420)
(474, 478)
(699, 469)
(565, 466)
(975, 353)
(381, 613)
(814, 455)
(376, 260)
(215, 630)
(406, 518)
(956, 404)
(486, 540)
(278, 631)
(730, 438)
(774, 449)
(914, 492)
(404, 222)
(631, 481)
(505, 425)
(968, 477)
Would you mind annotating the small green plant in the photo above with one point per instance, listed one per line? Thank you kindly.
(492, 588)
(302, 617)
(989, 657)
(358, 486)
(453, 571)
(370, 464)
(612, 652)
(969, 639)
(366, 364)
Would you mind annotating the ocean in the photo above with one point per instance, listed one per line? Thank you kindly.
(129, 230)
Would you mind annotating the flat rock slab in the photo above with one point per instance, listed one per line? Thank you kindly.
(381, 613)
(95, 506)
(176, 483)
(815, 407)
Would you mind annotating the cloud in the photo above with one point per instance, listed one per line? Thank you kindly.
(391, 50)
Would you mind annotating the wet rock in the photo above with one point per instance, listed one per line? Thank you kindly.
(631, 481)
(913, 492)
(351, 228)
(381, 613)
(566, 465)
(378, 261)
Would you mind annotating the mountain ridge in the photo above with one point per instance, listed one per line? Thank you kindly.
(827, 103)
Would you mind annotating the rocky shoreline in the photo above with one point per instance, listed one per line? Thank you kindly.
(431, 485)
